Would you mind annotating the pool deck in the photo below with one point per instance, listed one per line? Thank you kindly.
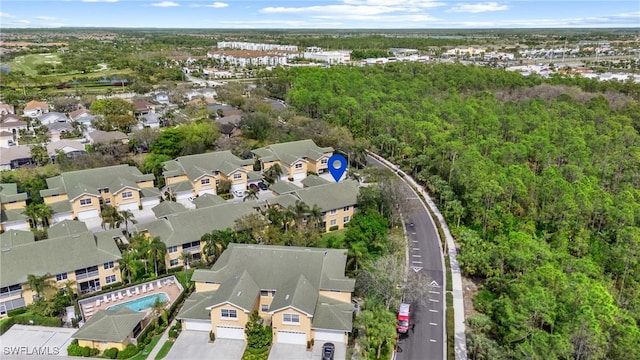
(169, 285)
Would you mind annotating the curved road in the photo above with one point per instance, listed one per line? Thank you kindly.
(427, 340)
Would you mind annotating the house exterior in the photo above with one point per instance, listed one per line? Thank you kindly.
(295, 158)
(181, 231)
(15, 157)
(200, 174)
(12, 205)
(35, 108)
(150, 120)
(81, 194)
(83, 117)
(143, 107)
(106, 137)
(71, 148)
(6, 109)
(6, 139)
(71, 254)
(52, 118)
(302, 293)
(13, 124)
(111, 329)
(57, 129)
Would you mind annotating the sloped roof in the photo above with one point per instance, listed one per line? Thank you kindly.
(59, 126)
(241, 290)
(74, 114)
(182, 227)
(34, 104)
(331, 195)
(7, 155)
(332, 314)
(195, 307)
(284, 187)
(206, 200)
(300, 295)
(314, 180)
(67, 228)
(99, 136)
(52, 115)
(166, 208)
(292, 151)
(194, 166)
(12, 215)
(76, 183)
(54, 146)
(9, 192)
(110, 325)
(54, 255)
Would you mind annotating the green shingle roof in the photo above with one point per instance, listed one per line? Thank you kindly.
(9, 192)
(166, 208)
(300, 295)
(54, 256)
(12, 215)
(11, 238)
(76, 183)
(331, 196)
(332, 314)
(206, 200)
(67, 228)
(194, 166)
(195, 307)
(110, 325)
(284, 187)
(314, 180)
(60, 207)
(188, 226)
(292, 151)
(240, 290)
(181, 186)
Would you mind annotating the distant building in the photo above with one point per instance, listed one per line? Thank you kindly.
(329, 57)
(254, 46)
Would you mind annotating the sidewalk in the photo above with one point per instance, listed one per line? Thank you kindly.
(163, 339)
(456, 277)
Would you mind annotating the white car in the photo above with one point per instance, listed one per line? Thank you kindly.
(239, 193)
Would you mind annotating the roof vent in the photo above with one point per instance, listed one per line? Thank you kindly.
(239, 293)
(286, 297)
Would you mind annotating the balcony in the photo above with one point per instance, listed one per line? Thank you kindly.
(86, 275)
(10, 294)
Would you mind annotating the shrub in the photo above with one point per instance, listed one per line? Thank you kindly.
(308, 344)
(212, 336)
(128, 352)
(15, 312)
(111, 353)
(74, 349)
(333, 228)
(6, 325)
(173, 333)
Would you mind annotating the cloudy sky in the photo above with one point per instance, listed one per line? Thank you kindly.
(372, 14)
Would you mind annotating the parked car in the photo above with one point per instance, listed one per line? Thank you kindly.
(328, 349)
(239, 193)
(262, 186)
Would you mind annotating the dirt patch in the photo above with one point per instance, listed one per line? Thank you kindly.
(470, 290)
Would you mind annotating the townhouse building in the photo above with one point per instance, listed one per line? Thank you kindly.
(295, 158)
(302, 293)
(81, 194)
(12, 205)
(72, 255)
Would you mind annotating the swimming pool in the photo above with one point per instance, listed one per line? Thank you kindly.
(142, 303)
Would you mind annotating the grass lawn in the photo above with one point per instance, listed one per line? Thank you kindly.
(184, 277)
(164, 350)
(142, 355)
(28, 63)
(56, 79)
(256, 354)
(338, 239)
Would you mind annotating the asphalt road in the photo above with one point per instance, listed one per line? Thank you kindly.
(425, 340)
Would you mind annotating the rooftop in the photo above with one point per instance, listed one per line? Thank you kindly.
(110, 325)
(291, 152)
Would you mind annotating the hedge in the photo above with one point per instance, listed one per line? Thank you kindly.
(28, 318)
(15, 312)
(6, 325)
(111, 353)
(128, 352)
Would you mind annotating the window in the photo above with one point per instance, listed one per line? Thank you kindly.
(346, 208)
(345, 219)
(264, 293)
(127, 195)
(291, 318)
(217, 182)
(108, 265)
(299, 166)
(107, 201)
(333, 212)
(85, 202)
(173, 262)
(237, 176)
(228, 314)
(61, 277)
(111, 279)
(333, 222)
(324, 161)
(172, 249)
(205, 181)
(264, 308)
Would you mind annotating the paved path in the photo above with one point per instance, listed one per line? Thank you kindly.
(163, 339)
(456, 278)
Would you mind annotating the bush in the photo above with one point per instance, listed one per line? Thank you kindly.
(111, 353)
(6, 325)
(128, 352)
(333, 228)
(173, 333)
(32, 319)
(212, 336)
(15, 312)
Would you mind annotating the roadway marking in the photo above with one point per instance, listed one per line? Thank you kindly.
(434, 283)
(414, 255)
(433, 324)
(413, 233)
(432, 340)
(415, 249)
(433, 310)
(414, 241)
(416, 268)
(416, 262)
(433, 292)
(434, 300)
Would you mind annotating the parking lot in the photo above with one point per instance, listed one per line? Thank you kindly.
(26, 341)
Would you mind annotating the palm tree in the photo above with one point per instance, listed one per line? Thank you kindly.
(110, 216)
(156, 250)
(68, 286)
(139, 244)
(157, 309)
(39, 284)
(299, 210)
(130, 265)
(252, 194)
(315, 216)
(32, 212)
(186, 257)
(127, 216)
(44, 213)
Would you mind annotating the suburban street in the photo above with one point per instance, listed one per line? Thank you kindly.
(426, 340)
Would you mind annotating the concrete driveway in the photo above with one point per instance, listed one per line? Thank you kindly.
(195, 345)
(289, 352)
(23, 341)
(340, 354)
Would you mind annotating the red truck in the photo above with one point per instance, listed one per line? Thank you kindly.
(404, 314)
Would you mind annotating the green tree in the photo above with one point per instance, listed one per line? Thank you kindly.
(40, 284)
(259, 335)
(127, 216)
(40, 155)
(379, 328)
(157, 249)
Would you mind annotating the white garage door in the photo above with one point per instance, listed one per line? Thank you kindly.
(299, 176)
(240, 187)
(56, 218)
(226, 332)
(88, 214)
(292, 337)
(207, 191)
(150, 202)
(128, 206)
(327, 335)
(183, 195)
(16, 225)
(197, 325)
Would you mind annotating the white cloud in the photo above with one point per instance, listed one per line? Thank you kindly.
(422, 4)
(217, 5)
(45, 18)
(165, 4)
(333, 10)
(6, 15)
(95, 1)
(479, 7)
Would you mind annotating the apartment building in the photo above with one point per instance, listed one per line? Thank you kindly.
(295, 158)
(12, 205)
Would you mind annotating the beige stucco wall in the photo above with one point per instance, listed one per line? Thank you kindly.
(119, 200)
(14, 205)
(176, 255)
(318, 166)
(197, 185)
(55, 198)
(337, 295)
(339, 217)
(176, 179)
(278, 325)
(242, 180)
(265, 300)
(202, 286)
(76, 207)
(102, 346)
(216, 319)
(145, 184)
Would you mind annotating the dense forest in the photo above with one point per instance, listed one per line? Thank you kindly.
(539, 180)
